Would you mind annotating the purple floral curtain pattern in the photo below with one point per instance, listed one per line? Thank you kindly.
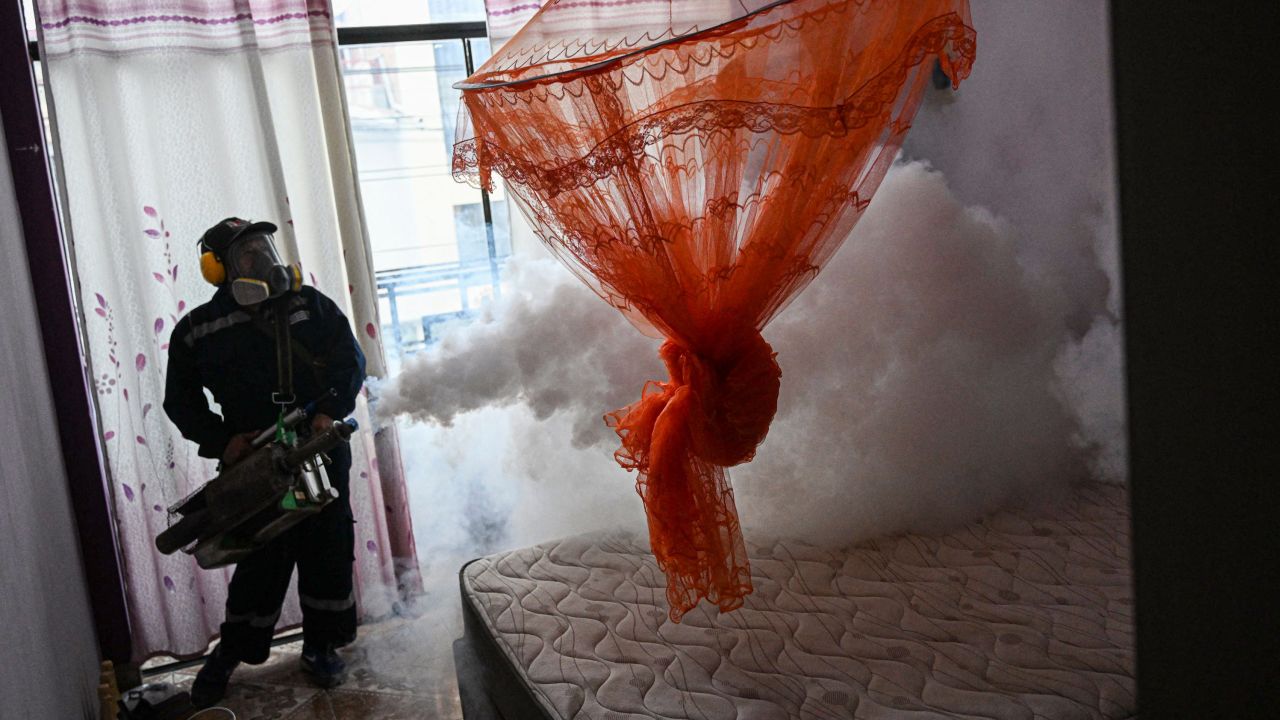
(171, 115)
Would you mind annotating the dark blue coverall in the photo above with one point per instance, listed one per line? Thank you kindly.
(219, 347)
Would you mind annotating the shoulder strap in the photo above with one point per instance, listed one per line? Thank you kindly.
(291, 343)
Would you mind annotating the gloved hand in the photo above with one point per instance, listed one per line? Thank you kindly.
(321, 422)
(237, 448)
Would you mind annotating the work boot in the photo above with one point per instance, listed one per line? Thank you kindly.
(210, 684)
(324, 665)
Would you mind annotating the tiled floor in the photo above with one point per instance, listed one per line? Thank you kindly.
(398, 668)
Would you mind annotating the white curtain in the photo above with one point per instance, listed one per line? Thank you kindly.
(504, 18)
(171, 115)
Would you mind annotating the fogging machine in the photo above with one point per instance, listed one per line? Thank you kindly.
(271, 489)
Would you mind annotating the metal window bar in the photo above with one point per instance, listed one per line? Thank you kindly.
(460, 277)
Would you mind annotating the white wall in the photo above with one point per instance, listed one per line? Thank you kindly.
(48, 652)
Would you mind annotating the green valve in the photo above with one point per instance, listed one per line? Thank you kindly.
(284, 435)
(289, 502)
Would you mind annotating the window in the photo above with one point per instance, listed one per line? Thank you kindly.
(438, 245)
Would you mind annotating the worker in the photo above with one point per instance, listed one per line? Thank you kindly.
(227, 346)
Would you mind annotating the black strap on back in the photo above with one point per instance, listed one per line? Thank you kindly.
(284, 360)
(287, 347)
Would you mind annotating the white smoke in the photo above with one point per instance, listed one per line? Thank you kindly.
(918, 378)
(547, 343)
(1030, 136)
(509, 446)
(919, 390)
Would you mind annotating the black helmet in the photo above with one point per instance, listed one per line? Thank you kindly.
(218, 238)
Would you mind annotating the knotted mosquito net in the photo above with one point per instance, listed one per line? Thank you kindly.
(696, 162)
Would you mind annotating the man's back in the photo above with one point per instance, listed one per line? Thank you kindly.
(231, 350)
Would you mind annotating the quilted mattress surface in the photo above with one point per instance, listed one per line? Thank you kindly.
(1020, 615)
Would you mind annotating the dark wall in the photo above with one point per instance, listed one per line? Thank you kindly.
(35, 233)
(1199, 194)
(48, 648)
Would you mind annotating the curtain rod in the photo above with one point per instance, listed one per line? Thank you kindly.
(381, 34)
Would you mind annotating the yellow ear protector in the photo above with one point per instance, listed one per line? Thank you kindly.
(212, 269)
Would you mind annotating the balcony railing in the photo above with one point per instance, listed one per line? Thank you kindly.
(458, 278)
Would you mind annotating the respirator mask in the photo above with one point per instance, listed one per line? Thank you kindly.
(255, 271)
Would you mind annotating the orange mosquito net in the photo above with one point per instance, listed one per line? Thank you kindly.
(696, 162)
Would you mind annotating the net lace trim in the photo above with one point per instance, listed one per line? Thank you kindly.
(579, 245)
(474, 159)
(568, 50)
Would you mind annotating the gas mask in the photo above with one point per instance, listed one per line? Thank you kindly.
(255, 271)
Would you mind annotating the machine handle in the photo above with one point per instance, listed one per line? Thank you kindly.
(340, 431)
(294, 417)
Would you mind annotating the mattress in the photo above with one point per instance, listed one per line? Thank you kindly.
(1020, 615)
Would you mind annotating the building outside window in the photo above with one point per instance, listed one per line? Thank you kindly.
(438, 245)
